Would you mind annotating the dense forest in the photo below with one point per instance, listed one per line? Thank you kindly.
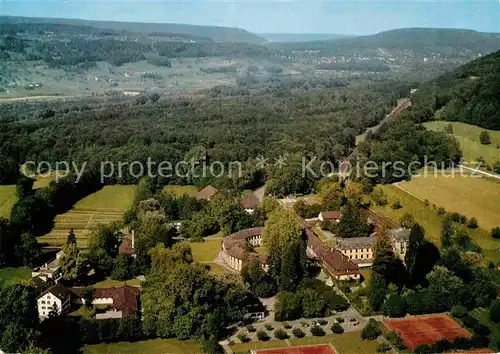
(286, 119)
(469, 94)
(219, 34)
(423, 41)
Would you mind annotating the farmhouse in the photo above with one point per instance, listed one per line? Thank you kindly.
(400, 238)
(127, 246)
(360, 250)
(56, 298)
(207, 193)
(234, 249)
(121, 301)
(249, 203)
(330, 216)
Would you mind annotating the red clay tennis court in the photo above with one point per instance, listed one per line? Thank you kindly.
(310, 349)
(416, 330)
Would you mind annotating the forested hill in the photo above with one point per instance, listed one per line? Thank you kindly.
(469, 94)
(425, 41)
(300, 37)
(218, 34)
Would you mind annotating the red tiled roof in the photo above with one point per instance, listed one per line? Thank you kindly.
(333, 259)
(234, 244)
(125, 298)
(250, 202)
(207, 193)
(126, 246)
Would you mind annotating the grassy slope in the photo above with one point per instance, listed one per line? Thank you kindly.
(428, 218)
(154, 346)
(468, 137)
(14, 275)
(473, 197)
(109, 198)
(8, 198)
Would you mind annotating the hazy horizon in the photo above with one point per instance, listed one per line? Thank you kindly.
(329, 17)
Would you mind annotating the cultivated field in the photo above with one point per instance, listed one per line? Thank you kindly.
(103, 207)
(467, 195)
(153, 346)
(428, 218)
(425, 329)
(468, 137)
(8, 198)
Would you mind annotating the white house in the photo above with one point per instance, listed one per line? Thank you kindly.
(57, 297)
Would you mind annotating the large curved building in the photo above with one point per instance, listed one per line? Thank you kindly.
(234, 250)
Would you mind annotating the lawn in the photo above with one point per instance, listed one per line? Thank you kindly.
(153, 346)
(244, 348)
(8, 198)
(205, 251)
(468, 137)
(181, 190)
(14, 275)
(468, 195)
(345, 343)
(367, 274)
(110, 198)
(427, 217)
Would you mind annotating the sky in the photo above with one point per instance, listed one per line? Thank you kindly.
(273, 16)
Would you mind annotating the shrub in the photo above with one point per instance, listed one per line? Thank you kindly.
(442, 345)
(337, 328)
(484, 137)
(472, 223)
(394, 306)
(395, 339)
(251, 328)
(280, 334)
(287, 325)
(297, 332)
(304, 324)
(482, 330)
(458, 311)
(323, 322)
(469, 321)
(317, 331)
(340, 319)
(441, 211)
(423, 348)
(461, 343)
(268, 327)
(371, 330)
(383, 347)
(262, 336)
(495, 233)
(243, 337)
(479, 341)
(396, 205)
